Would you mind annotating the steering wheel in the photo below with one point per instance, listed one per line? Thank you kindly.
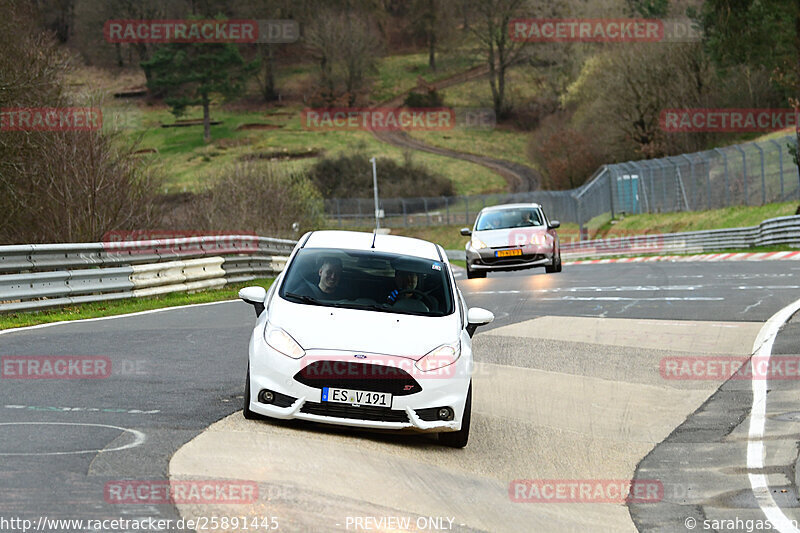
(426, 298)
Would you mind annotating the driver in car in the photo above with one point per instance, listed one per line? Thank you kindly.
(330, 274)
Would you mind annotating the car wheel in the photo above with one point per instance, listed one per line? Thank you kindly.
(471, 274)
(248, 414)
(556, 266)
(458, 439)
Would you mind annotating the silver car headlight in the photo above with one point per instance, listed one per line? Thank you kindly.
(477, 243)
(282, 342)
(440, 357)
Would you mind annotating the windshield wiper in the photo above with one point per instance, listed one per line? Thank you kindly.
(303, 298)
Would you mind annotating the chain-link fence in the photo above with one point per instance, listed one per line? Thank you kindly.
(753, 173)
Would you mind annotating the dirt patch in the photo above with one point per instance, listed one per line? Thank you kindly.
(146, 151)
(182, 123)
(283, 155)
(255, 126)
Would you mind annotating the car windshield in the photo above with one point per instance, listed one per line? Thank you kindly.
(510, 218)
(372, 280)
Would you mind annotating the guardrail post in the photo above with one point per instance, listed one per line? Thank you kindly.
(405, 213)
(447, 210)
(427, 214)
(338, 213)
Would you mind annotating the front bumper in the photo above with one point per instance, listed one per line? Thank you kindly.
(415, 411)
(485, 259)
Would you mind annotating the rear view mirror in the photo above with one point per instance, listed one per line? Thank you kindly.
(554, 224)
(254, 296)
(466, 232)
(477, 316)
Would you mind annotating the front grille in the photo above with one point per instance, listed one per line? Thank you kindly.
(358, 376)
(377, 414)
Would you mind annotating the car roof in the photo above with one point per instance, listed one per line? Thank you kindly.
(510, 206)
(357, 240)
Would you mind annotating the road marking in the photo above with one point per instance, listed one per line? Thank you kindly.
(762, 348)
(148, 312)
(139, 437)
(82, 409)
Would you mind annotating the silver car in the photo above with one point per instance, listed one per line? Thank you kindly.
(512, 237)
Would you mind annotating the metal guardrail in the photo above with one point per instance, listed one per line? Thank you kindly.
(774, 231)
(40, 276)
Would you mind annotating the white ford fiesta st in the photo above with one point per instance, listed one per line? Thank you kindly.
(364, 330)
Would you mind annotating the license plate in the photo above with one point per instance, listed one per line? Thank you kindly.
(356, 397)
(507, 253)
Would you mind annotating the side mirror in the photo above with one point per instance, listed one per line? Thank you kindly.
(466, 232)
(254, 296)
(555, 224)
(477, 316)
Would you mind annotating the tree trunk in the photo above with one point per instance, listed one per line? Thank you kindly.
(206, 120)
(269, 73)
(432, 50)
(432, 34)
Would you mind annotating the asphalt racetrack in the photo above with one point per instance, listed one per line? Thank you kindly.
(581, 381)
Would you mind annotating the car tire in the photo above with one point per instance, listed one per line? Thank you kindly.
(458, 439)
(556, 266)
(471, 274)
(248, 414)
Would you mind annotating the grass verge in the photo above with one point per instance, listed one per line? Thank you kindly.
(130, 305)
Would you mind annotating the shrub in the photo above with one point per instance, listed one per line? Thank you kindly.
(350, 176)
(429, 98)
(257, 197)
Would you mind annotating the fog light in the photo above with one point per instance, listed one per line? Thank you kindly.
(445, 413)
(266, 396)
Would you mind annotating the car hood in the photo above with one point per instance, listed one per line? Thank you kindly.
(332, 328)
(498, 238)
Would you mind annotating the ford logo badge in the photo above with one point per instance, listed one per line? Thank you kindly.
(360, 356)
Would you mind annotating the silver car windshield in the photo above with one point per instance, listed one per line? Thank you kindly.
(371, 280)
(510, 218)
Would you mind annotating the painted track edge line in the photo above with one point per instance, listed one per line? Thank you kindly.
(98, 318)
(762, 347)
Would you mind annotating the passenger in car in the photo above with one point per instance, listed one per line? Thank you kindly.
(403, 294)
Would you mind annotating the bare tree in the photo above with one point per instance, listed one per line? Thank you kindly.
(346, 49)
(66, 185)
(491, 30)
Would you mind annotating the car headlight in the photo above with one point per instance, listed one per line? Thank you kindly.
(282, 342)
(440, 357)
(478, 244)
